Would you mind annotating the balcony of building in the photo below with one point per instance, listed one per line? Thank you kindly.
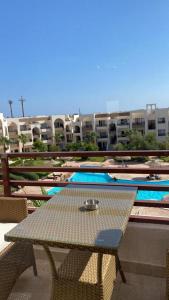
(138, 123)
(68, 129)
(143, 263)
(122, 134)
(87, 126)
(101, 124)
(46, 138)
(144, 246)
(123, 122)
(102, 136)
(59, 125)
(25, 128)
(45, 126)
(76, 129)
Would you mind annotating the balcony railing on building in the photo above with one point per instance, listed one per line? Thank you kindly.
(123, 123)
(87, 127)
(25, 128)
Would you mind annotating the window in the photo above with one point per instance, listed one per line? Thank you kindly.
(161, 120)
(161, 132)
(151, 124)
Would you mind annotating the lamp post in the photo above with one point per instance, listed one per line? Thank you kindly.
(22, 100)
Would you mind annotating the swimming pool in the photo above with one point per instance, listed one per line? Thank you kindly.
(105, 178)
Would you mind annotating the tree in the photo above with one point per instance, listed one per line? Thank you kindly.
(23, 139)
(151, 142)
(136, 140)
(5, 142)
(91, 137)
(58, 139)
(39, 146)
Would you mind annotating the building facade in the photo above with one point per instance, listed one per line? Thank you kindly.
(110, 128)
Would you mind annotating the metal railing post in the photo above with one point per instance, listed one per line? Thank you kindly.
(5, 175)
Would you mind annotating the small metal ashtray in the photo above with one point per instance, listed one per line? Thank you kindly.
(91, 204)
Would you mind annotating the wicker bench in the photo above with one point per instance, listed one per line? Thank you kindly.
(14, 257)
(77, 277)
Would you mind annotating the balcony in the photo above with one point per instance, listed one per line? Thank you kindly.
(138, 124)
(25, 128)
(47, 127)
(143, 249)
(123, 123)
(87, 127)
(59, 129)
(103, 136)
(144, 270)
(103, 125)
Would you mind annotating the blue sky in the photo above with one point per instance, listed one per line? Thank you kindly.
(94, 55)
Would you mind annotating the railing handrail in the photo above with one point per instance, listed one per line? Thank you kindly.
(89, 153)
(7, 169)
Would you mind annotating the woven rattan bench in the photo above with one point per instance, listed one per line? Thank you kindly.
(14, 257)
(78, 277)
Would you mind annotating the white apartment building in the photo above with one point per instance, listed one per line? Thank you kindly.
(110, 128)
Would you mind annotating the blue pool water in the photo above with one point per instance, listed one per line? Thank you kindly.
(54, 190)
(105, 178)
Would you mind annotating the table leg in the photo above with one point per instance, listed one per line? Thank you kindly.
(99, 268)
(53, 270)
(119, 268)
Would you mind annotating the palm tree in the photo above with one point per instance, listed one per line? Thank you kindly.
(4, 141)
(23, 139)
(22, 100)
(58, 138)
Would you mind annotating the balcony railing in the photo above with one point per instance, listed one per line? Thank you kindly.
(7, 183)
(137, 124)
(101, 125)
(87, 127)
(105, 136)
(123, 122)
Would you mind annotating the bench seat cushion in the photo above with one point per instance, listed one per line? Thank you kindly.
(4, 228)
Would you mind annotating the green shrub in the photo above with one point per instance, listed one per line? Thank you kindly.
(139, 159)
(165, 158)
(39, 203)
(16, 176)
(97, 159)
(29, 176)
(42, 174)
